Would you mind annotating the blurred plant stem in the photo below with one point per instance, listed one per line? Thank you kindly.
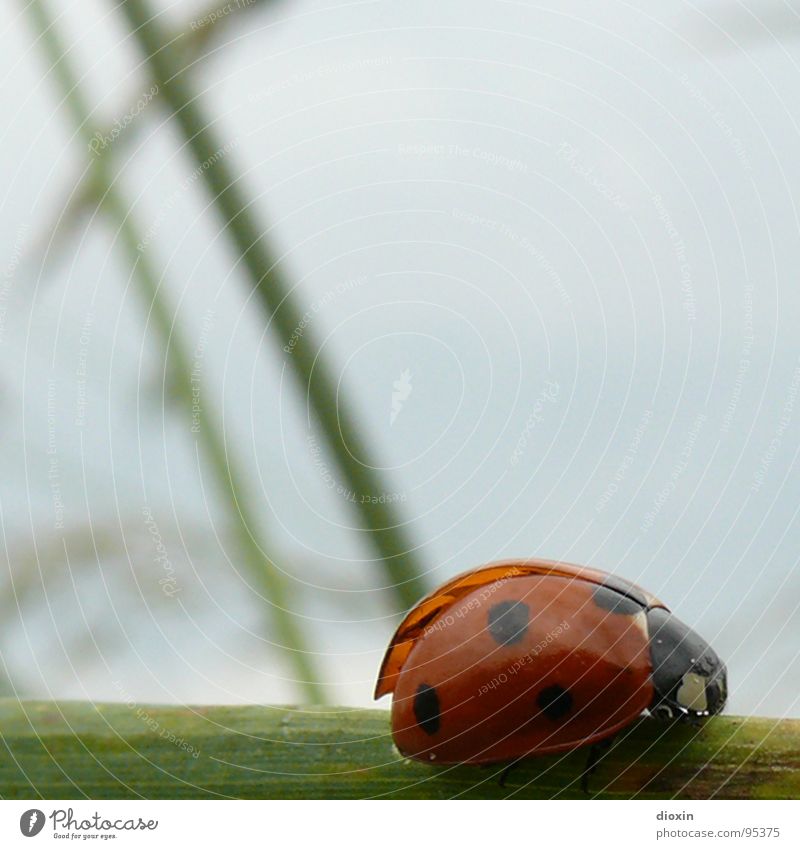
(308, 361)
(268, 579)
(85, 197)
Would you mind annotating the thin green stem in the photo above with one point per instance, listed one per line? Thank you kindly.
(269, 580)
(84, 198)
(308, 362)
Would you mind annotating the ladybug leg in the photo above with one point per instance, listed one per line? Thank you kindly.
(596, 752)
(505, 773)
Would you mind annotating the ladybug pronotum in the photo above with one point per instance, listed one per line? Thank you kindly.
(525, 658)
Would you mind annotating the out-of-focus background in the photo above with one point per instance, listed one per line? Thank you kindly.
(550, 252)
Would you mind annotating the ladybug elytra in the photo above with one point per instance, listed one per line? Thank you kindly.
(525, 658)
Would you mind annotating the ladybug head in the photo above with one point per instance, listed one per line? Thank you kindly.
(688, 678)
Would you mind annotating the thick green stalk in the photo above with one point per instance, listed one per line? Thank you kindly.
(283, 308)
(75, 749)
(267, 578)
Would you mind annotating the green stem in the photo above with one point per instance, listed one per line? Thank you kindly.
(282, 306)
(269, 580)
(83, 198)
(66, 750)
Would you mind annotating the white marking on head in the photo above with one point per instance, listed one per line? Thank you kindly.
(692, 692)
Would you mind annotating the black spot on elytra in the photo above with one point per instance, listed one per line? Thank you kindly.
(508, 621)
(554, 702)
(615, 602)
(426, 708)
(614, 582)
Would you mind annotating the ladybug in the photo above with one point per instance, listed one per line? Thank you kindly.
(524, 658)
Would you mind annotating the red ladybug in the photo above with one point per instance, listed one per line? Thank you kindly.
(525, 658)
